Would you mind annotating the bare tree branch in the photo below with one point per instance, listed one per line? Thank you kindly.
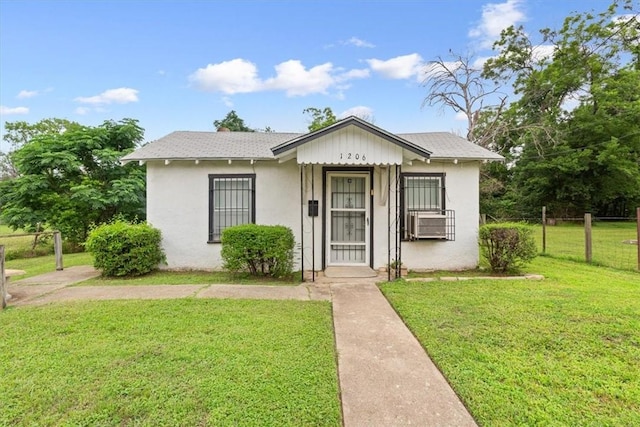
(458, 84)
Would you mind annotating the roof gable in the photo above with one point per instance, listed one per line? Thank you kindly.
(329, 138)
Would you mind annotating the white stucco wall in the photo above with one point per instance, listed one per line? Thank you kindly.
(177, 204)
(462, 195)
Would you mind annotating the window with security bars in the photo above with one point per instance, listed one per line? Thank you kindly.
(231, 202)
(423, 192)
(423, 211)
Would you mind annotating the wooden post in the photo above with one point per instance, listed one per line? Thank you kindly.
(638, 234)
(3, 285)
(483, 219)
(587, 237)
(57, 249)
(544, 229)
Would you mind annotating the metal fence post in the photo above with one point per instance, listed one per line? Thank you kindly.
(587, 238)
(544, 229)
(638, 234)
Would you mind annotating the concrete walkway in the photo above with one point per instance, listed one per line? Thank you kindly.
(386, 378)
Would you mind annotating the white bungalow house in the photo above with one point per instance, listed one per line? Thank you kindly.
(353, 194)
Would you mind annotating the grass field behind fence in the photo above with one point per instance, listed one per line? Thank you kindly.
(18, 246)
(610, 243)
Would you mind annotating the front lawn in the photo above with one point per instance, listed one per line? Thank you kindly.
(179, 362)
(563, 351)
(163, 277)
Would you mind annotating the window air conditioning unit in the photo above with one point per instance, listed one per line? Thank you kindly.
(427, 225)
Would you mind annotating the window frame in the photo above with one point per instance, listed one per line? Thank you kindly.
(252, 200)
(403, 199)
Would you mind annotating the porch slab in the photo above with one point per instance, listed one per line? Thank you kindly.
(348, 272)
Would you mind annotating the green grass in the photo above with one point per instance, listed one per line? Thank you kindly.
(567, 241)
(563, 351)
(46, 264)
(182, 362)
(191, 278)
(17, 246)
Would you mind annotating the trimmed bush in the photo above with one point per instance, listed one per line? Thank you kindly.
(507, 246)
(259, 249)
(124, 249)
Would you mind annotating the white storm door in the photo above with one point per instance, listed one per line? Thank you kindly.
(348, 222)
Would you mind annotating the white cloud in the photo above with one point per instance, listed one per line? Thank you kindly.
(123, 95)
(623, 19)
(433, 67)
(461, 117)
(6, 111)
(228, 102)
(24, 94)
(235, 76)
(480, 61)
(82, 111)
(296, 80)
(241, 76)
(400, 67)
(542, 52)
(495, 18)
(356, 73)
(355, 41)
(361, 111)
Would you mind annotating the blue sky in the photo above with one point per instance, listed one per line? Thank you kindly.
(179, 65)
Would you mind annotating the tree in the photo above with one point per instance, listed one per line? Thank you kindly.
(596, 167)
(17, 134)
(573, 130)
(320, 118)
(232, 122)
(459, 85)
(71, 180)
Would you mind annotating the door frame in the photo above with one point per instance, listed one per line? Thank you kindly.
(326, 210)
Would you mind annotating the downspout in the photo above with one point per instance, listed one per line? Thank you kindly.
(389, 223)
(301, 223)
(398, 231)
(313, 228)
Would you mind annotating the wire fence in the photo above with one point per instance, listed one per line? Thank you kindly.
(614, 241)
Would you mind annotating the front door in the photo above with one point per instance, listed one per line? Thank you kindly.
(348, 218)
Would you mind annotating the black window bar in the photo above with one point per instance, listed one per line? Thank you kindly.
(231, 202)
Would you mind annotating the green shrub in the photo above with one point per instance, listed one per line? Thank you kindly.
(259, 249)
(124, 249)
(507, 246)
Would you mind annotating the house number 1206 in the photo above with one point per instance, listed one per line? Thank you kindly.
(352, 156)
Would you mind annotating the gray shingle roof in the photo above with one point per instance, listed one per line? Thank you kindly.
(445, 145)
(188, 145)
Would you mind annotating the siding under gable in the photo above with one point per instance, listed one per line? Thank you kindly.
(349, 146)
